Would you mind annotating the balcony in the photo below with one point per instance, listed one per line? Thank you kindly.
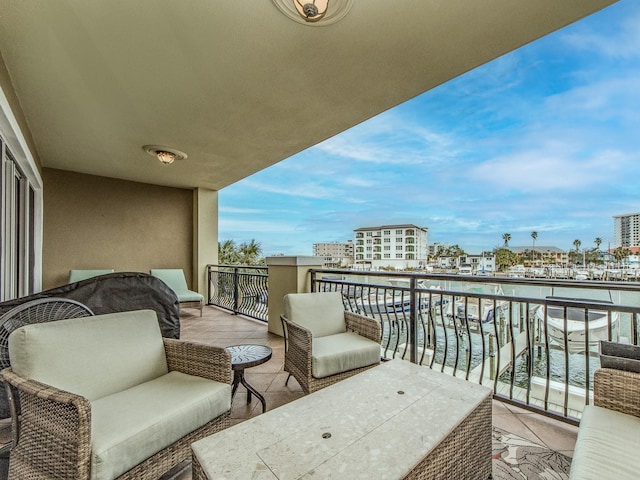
(217, 327)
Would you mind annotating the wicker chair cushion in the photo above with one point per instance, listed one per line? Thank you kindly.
(342, 352)
(78, 275)
(91, 356)
(130, 426)
(607, 446)
(174, 278)
(322, 313)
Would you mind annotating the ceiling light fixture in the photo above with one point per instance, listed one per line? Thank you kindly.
(309, 10)
(166, 155)
(314, 12)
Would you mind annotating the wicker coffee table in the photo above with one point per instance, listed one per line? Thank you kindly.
(247, 356)
(394, 421)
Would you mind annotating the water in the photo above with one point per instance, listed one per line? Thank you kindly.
(465, 349)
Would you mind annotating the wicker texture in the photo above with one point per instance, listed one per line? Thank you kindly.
(464, 454)
(298, 360)
(55, 435)
(617, 390)
(197, 473)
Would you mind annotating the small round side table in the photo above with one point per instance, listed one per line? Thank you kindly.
(247, 356)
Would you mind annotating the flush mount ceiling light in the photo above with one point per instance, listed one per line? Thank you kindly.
(314, 12)
(166, 155)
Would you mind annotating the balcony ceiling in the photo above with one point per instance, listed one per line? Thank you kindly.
(236, 84)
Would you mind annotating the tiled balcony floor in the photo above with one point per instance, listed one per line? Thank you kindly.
(218, 327)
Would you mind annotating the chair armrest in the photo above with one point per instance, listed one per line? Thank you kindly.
(197, 359)
(55, 428)
(299, 343)
(365, 326)
(617, 390)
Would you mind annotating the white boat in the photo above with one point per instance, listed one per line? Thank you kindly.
(471, 310)
(597, 324)
(392, 302)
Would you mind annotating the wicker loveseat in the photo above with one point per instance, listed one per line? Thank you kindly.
(108, 397)
(609, 436)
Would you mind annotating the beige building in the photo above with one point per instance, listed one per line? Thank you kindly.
(335, 254)
(626, 230)
(398, 246)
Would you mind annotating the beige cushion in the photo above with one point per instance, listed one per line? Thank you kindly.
(91, 356)
(322, 313)
(607, 446)
(128, 427)
(342, 352)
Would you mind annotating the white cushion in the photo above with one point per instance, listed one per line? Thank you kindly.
(607, 446)
(342, 352)
(322, 312)
(130, 426)
(91, 356)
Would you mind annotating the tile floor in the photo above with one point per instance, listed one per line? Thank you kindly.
(218, 327)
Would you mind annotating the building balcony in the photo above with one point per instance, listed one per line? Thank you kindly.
(218, 327)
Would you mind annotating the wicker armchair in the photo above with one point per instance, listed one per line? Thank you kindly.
(608, 437)
(57, 427)
(617, 390)
(325, 344)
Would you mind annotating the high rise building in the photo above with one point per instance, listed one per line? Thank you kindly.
(626, 230)
(336, 254)
(399, 246)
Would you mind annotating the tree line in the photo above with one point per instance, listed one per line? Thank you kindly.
(505, 258)
(246, 253)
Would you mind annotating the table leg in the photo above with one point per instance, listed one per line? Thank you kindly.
(251, 390)
(238, 375)
(238, 378)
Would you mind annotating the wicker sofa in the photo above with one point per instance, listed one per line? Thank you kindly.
(609, 435)
(108, 397)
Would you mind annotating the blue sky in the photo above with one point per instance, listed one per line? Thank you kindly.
(546, 138)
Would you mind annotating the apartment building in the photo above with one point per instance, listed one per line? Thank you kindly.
(399, 246)
(626, 230)
(335, 254)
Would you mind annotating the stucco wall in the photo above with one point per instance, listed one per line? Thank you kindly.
(95, 222)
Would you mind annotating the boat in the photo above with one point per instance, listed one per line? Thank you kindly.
(475, 310)
(386, 303)
(575, 333)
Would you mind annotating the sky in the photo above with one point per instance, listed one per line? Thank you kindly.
(545, 138)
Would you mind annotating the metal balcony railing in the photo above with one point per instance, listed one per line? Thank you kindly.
(535, 342)
(239, 288)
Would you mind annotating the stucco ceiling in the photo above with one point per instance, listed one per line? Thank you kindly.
(234, 83)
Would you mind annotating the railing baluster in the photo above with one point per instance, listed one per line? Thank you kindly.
(441, 328)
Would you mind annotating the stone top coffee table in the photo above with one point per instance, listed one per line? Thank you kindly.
(247, 356)
(394, 421)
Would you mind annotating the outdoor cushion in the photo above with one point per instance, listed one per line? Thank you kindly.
(129, 426)
(607, 446)
(342, 352)
(78, 275)
(174, 278)
(50, 352)
(322, 313)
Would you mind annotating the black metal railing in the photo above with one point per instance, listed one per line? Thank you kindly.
(535, 342)
(240, 288)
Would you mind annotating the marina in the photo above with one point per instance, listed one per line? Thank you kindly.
(534, 341)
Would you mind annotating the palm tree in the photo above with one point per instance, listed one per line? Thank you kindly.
(534, 236)
(506, 237)
(598, 242)
(227, 252)
(250, 252)
(577, 243)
